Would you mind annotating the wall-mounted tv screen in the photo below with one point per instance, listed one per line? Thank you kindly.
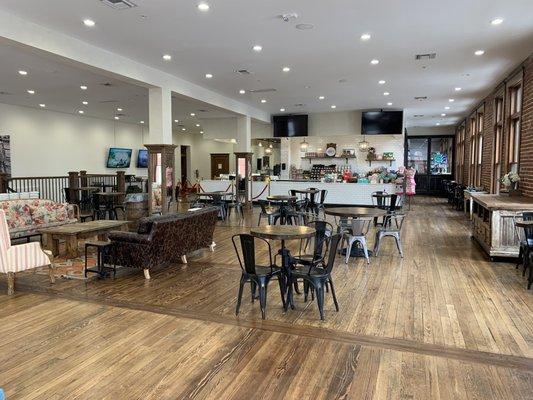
(142, 159)
(382, 123)
(118, 158)
(289, 125)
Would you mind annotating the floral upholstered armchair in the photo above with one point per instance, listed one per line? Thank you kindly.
(20, 257)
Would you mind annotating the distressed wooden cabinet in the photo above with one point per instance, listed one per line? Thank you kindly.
(493, 222)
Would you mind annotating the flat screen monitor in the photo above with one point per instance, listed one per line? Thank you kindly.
(382, 123)
(118, 158)
(290, 125)
(142, 159)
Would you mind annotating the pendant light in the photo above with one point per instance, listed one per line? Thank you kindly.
(363, 145)
(304, 145)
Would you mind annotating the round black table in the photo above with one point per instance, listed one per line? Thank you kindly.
(283, 233)
(284, 205)
(356, 212)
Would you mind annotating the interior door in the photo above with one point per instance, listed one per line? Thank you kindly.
(219, 164)
(183, 163)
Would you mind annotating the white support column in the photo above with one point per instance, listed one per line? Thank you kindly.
(160, 112)
(285, 157)
(244, 134)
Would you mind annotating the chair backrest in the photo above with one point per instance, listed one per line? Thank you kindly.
(263, 204)
(67, 192)
(323, 195)
(394, 223)
(378, 199)
(361, 226)
(5, 240)
(524, 234)
(333, 246)
(246, 255)
(392, 202)
(323, 233)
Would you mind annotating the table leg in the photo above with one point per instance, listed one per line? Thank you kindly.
(102, 236)
(286, 265)
(72, 246)
(51, 244)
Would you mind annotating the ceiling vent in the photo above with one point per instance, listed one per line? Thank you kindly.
(2, 93)
(421, 98)
(119, 4)
(202, 111)
(418, 115)
(107, 101)
(106, 84)
(262, 90)
(427, 56)
(299, 105)
(243, 72)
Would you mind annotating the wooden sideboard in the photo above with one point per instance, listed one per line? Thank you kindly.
(493, 222)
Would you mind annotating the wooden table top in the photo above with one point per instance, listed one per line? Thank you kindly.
(84, 227)
(281, 197)
(110, 194)
(503, 202)
(524, 224)
(307, 191)
(87, 188)
(356, 212)
(282, 232)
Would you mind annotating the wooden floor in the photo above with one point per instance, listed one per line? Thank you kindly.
(443, 323)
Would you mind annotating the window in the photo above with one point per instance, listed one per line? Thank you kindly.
(473, 147)
(498, 133)
(461, 153)
(479, 151)
(515, 103)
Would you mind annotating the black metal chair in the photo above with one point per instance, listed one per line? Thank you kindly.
(525, 238)
(321, 206)
(101, 209)
(323, 233)
(258, 276)
(317, 277)
(269, 212)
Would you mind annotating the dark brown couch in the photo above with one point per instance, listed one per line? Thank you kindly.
(162, 240)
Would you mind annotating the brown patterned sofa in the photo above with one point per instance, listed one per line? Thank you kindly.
(161, 240)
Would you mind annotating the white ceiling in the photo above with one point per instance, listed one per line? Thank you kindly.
(57, 85)
(221, 41)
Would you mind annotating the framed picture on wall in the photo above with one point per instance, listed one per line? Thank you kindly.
(5, 154)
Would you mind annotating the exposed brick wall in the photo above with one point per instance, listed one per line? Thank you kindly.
(526, 131)
(526, 134)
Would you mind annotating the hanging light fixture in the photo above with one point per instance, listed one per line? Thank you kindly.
(270, 146)
(363, 145)
(304, 145)
(260, 144)
(268, 150)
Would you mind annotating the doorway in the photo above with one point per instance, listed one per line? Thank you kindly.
(219, 164)
(183, 164)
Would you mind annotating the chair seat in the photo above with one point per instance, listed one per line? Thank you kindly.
(303, 271)
(265, 270)
(306, 259)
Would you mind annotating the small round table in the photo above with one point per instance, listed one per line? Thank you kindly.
(310, 194)
(283, 201)
(356, 212)
(283, 233)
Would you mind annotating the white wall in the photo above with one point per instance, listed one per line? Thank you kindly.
(47, 143)
(430, 130)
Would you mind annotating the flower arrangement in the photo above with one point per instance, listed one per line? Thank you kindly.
(510, 179)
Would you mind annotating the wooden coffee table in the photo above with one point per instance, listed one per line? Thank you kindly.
(71, 233)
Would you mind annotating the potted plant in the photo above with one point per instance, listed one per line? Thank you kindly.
(510, 180)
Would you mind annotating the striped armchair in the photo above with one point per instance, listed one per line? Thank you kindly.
(20, 257)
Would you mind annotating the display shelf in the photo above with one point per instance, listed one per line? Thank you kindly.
(328, 158)
(390, 160)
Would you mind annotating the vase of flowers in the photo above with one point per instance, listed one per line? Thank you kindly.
(510, 181)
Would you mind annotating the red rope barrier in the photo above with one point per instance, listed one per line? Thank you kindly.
(262, 191)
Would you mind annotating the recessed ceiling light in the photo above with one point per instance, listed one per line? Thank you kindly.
(42, 105)
(142, 122)
(84, 103)
(203, 7)
(257, 48)
(89, 22)
(365, 36)
(263, 101)
(167, 57)
(382, 82)
(119, 109)
(386, 93)
(201, 131)
(321, 97)
(443, 115)
(80, 111)
(197, 125)
(192, 114)
(374, 61)
(183, 129)
(242, 91)
(286, 69)
(176, 121)
(282, 110)
(479, 52)
(438, 123)
(23, 73)
(83, 87)
(389, 103)
(496, 21)
(30, 91)
(208, 76)
(458, 89)
(304, 27)
(447, 108)
(333, 107)
(451, 100)
(117, 118)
